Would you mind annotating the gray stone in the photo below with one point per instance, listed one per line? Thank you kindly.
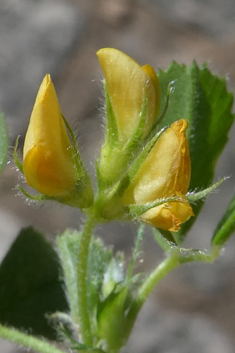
(36, 37)
(213, 17)
(7, 347)
(162, 331)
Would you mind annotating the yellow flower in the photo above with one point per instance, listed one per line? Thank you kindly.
(127, 84)
(165, 173)
(48, 157)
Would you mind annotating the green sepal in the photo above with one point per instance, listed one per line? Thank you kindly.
(16, 159)
(135, 211)
(108, 172)
(112, 134)
(109, 205)
(226, 226)
(74, 199)
(82, 195)
(112, 164)
(38, 197)
(195, 196)
(133, 144)
(98, 176)
(116, 156)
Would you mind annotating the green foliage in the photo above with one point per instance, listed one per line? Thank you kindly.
(111, 320)
(30, 284)
(98, 261)
(202, 99)
(102, 303)
(3, 141)
(109, 292)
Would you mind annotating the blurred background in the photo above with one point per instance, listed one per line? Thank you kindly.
(193, 309)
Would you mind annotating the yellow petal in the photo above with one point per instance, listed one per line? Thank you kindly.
(126, 81)
(48, 156)
(165, 172)
(169, 216)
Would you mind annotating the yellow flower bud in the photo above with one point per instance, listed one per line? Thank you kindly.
(165, 173)
(48, 157)
(127, 83)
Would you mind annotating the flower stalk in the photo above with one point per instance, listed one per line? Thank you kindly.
(84, 317)
(176, 258)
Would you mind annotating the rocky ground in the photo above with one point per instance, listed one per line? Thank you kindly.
(193, 309)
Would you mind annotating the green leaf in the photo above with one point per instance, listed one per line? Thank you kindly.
(98, 261)
(226, 225)
(3, 141)
(202, 99)
(112, 136)
(111, 320)
(30, 285)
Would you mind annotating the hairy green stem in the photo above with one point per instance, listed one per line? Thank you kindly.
(84, 318)
(175, 259)
(135, 252)
(156, 276)
(27, 341)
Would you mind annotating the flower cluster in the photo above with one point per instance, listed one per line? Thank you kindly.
(134, 96)
(142, 172)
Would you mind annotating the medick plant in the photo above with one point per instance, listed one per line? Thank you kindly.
(164, 134)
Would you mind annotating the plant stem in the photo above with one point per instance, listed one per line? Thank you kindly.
(135, 252)
(28, 341)
(84, 318)
(173, 261)
(160, 272)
